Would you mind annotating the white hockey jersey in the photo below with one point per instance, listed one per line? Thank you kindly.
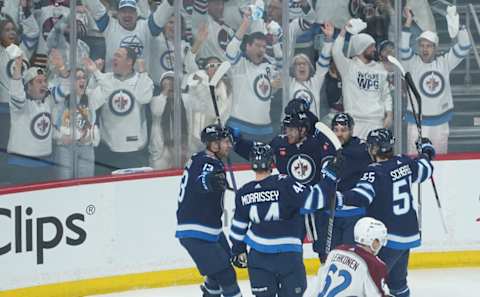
(139, 38)
(219, 34)
(433, 79)
(31, 123)
(252, 88)
(352, 271)
(310, 90)
(366, 93)
(123, 123)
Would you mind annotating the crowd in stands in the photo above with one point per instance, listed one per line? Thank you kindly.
(124, 114)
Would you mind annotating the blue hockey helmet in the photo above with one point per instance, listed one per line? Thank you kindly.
(213, 132)
(261, 156)
(343, 119)
(381, 138)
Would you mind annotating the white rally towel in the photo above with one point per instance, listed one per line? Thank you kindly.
(453, 21)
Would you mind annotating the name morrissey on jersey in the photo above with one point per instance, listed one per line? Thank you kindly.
(368, 81)
(400, 172)
(263, 196)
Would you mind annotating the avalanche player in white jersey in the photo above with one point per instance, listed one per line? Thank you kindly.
(355, 270)
(251, 76)
(366, 95)
(431, 75)
(127, 30)
(305, 81)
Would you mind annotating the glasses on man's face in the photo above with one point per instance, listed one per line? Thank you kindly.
(212, 65)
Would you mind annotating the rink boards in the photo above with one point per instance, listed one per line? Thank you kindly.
(100, 235)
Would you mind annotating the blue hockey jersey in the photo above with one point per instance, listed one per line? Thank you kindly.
(300, 161)
(385, 188)
(199, 208)
(268, 213)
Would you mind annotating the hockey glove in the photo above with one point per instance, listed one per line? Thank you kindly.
(240, 260)
(216, 181)
(426, 148)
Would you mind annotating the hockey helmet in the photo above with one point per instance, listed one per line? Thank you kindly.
(343, 119)
(368, 229)
(213, 132)
(296, 120)
(261, 156)
(382, 138)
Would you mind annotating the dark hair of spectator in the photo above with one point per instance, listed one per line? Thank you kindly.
(249, 39)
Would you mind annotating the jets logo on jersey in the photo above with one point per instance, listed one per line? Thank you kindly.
(303, 94)
(368, 81)
(262, 87)
(223, 38)
(121, 102)
(10, 65)
(432, 84)
(41, 125)
(134, 42)
(302, 168)
(167, 60)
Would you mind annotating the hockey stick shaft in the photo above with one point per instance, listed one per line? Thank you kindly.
(418, 123)
(217, 114)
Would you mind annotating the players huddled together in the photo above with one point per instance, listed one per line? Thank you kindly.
(345, 191)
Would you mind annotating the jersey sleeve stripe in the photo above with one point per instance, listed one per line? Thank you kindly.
(364, 194)
(236, 236)
(204, 229)
(239, 224)
(428, 166)
(366, 186)
(419, 173)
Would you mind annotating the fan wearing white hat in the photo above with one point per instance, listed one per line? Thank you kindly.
(366, 94)
(30, 142)
(431, 74)
(127, 29)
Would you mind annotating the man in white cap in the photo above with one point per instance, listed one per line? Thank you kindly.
(127, 30)
(30, 142)
(366, 95)
(431, 75)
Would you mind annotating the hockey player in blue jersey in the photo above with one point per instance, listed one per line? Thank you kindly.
(356, 158)
(200, 208)
(297, 152)
(385, 189)
(268, 218)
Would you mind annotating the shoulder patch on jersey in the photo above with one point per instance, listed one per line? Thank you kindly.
(167, 60)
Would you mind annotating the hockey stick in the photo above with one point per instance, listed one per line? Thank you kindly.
(219, 74)
(328, 133)
(418, 123)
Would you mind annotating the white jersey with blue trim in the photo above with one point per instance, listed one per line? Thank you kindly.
(433, 79)
(252, 87)
(268, 213)
(123, 123)
(200, 208)
(385, 189)
(139, 38)
(31, 128)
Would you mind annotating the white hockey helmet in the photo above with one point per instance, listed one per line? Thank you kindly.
(430, 36)
(368, 229)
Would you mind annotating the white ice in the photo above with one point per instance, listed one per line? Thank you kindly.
(463, 282)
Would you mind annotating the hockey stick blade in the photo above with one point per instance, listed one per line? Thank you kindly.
(397, 63)
(221, 71)
(325, 130)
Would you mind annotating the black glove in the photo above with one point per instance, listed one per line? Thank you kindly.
(331, 166)
(216, 181)
(239, 260)
(426, 148)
